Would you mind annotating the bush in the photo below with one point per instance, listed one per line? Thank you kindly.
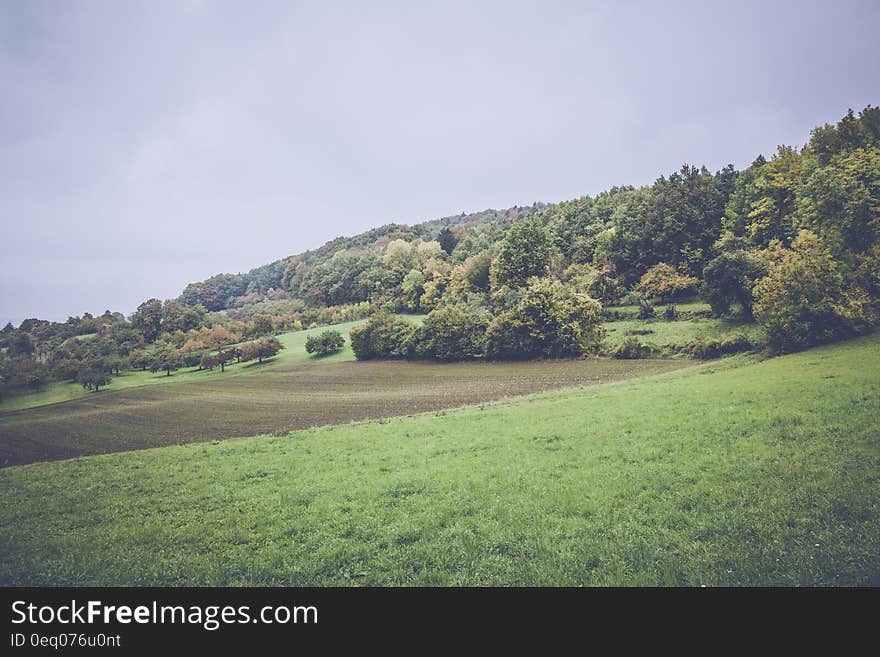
(325, 343)
(729, 279)
(646, 310)
(708, 349)
(803, 300)
(632, 349)
(549, 321)
(383, 336)
(670, 313)
(452, 333)
(662, 281)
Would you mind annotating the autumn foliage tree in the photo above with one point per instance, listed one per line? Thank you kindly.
(260, 349)
(219, 337)
(664, 282)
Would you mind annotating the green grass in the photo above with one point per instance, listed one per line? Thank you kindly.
(62, 391)
(681, 332)
(281, 396)
(631, 311)
(765, 473)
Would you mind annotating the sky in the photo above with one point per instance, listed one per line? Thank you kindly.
(146, 145)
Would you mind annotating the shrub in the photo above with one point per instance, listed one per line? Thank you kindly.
(646, 310)
(327, 342)
(383, 336)
(548, 321)
(632, 349)
(729, 279)
(662, 281)
(452, 333)
(803, 300)
(708, 349)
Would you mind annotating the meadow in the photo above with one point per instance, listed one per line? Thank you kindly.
(62, 391)
(281, 395)
(736, 472)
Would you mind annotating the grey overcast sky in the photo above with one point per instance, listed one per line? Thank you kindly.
(144, 145)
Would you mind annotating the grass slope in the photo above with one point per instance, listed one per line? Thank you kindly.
(763, 474)
(294, 352)
(282, 396)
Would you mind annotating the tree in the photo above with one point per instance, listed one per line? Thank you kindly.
(448, 240)
(208, 362)
(166, 357)
(262, 325)
(118, 363)
(662, 281)
(265, 348)
(549, 321)
(178, 317)
(729, 278)
(139, 359)
(325, 343)
(524, 252)
(412, 288)
(92, 377)
(218, 337)
(148, 319)
(803, 300)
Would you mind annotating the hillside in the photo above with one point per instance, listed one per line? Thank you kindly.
(788, 249)
(222, 290)
(757, 474)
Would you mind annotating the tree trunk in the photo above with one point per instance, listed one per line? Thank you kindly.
(260, 359)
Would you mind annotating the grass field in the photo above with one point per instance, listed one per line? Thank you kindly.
(281, 395)
(677, 332)
(294, 352)
(766, 473)
(681, 332)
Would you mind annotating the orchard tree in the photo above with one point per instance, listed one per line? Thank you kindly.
(139, 359)
(166, 358)
(208, 362)
(92, 378)
(260, 349)
(218, 337)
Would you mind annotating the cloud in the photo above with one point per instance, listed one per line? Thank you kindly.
(146, 145)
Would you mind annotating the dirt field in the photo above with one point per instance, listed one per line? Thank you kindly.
(282, 397)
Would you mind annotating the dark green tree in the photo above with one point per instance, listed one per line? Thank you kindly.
(523, 253)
